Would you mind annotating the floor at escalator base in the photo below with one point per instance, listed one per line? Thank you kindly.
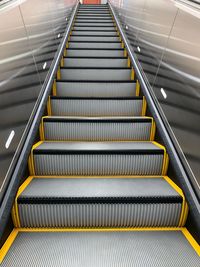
(139, 247)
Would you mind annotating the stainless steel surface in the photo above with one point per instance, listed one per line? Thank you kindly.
(164, 36)
(30, 32)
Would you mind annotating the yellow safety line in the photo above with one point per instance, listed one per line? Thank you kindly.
(165, 159)
(54, 88)
(184, 204)
(62, 62)
(20, 190)
(13, 215)
(191, 240)
(41, 130)
(144, 106)
(128, 62)
(8, 244)
(153, 130)
(132, 74)
(58, 74)
(137, 89)
(31, 161)
(65, 53)
(49, 106)
(98, 177)
(122, 44)
(99, 229)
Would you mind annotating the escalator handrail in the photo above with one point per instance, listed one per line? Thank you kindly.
(19, 162)
(162, 122)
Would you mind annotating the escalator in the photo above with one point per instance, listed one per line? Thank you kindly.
(98, 193)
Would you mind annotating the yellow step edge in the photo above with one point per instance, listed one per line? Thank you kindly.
(10, 240)
(137, 89)
(15, 211)
(49, 111)
(166, 158)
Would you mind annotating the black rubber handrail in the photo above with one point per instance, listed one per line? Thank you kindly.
(19, 162)
(183, 171)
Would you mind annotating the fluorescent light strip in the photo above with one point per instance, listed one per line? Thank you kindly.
(163, 93)
(10, 138)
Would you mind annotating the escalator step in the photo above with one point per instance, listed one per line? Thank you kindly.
(97, 129)
(116, 202)
(94, 53)
(94, 38)
(95, 45)
(95, 33)
(96, 89)
(102, 249)
(94, 63)
(98, 158)
(92, 74)
(66, 106)
(87, 24)
(78, 28)
(91, 20)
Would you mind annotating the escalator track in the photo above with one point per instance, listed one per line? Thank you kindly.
(98, 193)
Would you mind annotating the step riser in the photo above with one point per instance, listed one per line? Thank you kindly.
(95, 74)
(94, 39)
(99, 215)
(76, 28)
(96, 45)
(94, 164)
(96, 89)
(94, 33)
(64, 107)
(93, 24)
(94, 53)
(97, 131)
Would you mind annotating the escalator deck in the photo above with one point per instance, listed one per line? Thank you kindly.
(98, 193)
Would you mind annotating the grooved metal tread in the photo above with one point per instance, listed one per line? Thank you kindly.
(145, 147)
(95, 189)
(102, 249)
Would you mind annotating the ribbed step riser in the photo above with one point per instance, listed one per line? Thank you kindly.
(94, 53)
(91, 21)
(72, 131)
(96, 74)
(92, 13)
(94, 33)
(75, 107)
(78, 24)
(94, 39)
(77, 28)
(90, 62)
(93, 89)
(96, 45)
(94, 164)
(99, 215)
(102, 16)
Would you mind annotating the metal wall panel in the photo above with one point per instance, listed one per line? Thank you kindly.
(164, 36)
(30, 32)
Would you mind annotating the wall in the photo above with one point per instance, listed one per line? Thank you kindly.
(165, 38)
(30, 32)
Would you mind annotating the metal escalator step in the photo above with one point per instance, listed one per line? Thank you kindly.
(91, 21)
(90, 15)
(95, 45)
(91, 248)
(94, 19)
(96, 89)
(99, 202)
(93, 12)
(78, 28)
(94, 33)
(94, 63)
(97, 158)
(94, 107)
(94, 52)
(97, 24)
(92, 74)
(97, 129)
(94, 38)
